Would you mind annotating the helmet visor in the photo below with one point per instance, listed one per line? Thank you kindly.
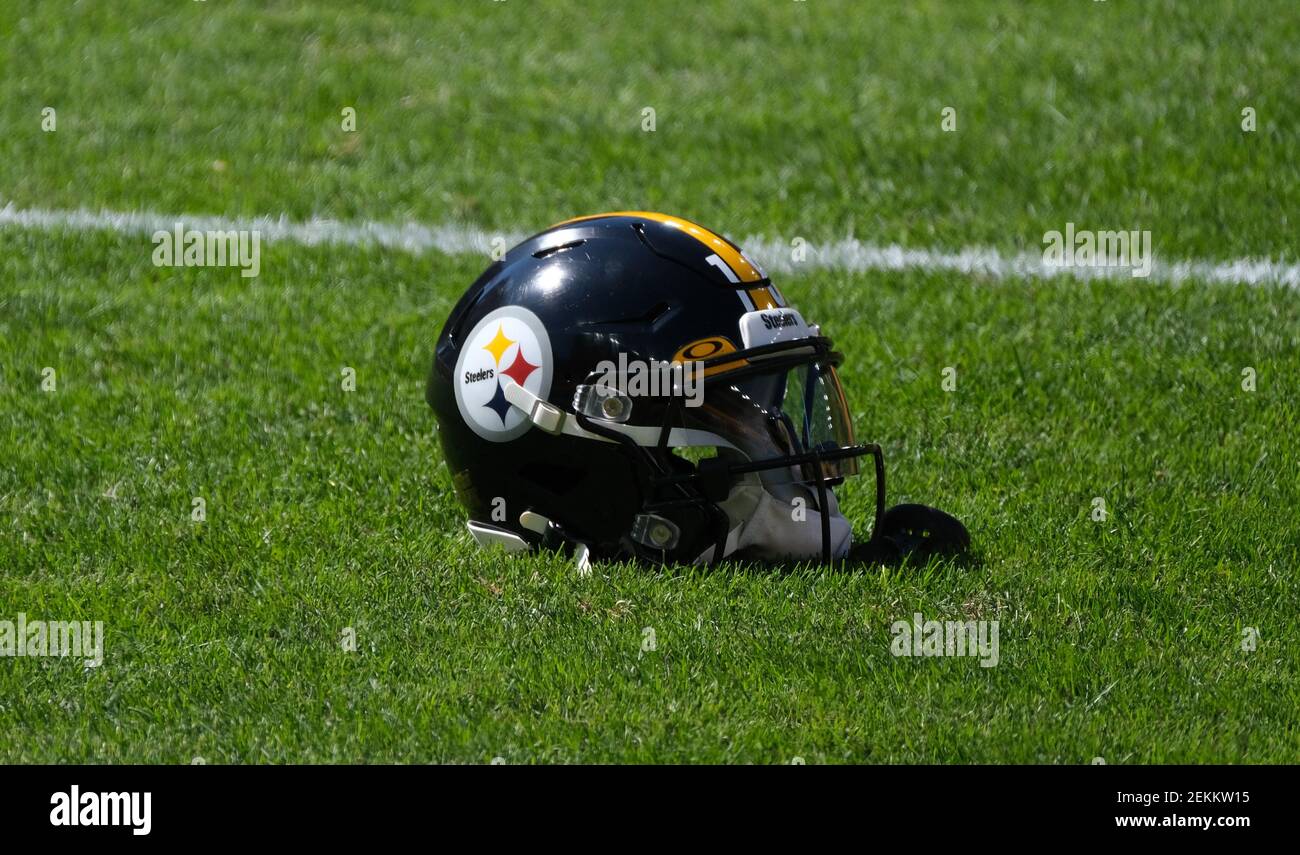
(775, 414)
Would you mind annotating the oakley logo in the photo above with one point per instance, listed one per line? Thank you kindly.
(704, 349)
(102, 809)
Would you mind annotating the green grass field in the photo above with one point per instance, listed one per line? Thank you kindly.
(328, 510)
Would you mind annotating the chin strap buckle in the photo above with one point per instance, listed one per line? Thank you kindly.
(553, 537)
(546, 416)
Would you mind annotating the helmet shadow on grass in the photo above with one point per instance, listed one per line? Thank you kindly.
(859, 561)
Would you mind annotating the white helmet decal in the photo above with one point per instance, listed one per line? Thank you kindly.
(509, 344)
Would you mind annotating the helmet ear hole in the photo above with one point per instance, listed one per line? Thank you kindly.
(715, 479)
(693, 454)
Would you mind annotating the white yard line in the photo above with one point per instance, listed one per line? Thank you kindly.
(847, 254)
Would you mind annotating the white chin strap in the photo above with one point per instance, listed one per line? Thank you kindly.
(766, 527)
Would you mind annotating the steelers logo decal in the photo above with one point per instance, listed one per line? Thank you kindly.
(509, 345)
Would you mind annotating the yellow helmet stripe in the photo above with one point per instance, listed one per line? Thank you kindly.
(745, 270)
(763, 298)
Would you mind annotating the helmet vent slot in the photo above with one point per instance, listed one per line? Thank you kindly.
(647, 318)
(552, 250)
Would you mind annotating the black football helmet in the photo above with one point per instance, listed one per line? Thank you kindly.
(631, 385)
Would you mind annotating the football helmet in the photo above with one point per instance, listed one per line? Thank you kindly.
(632, 385)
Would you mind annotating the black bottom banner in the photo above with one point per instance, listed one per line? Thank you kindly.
(142, 805)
